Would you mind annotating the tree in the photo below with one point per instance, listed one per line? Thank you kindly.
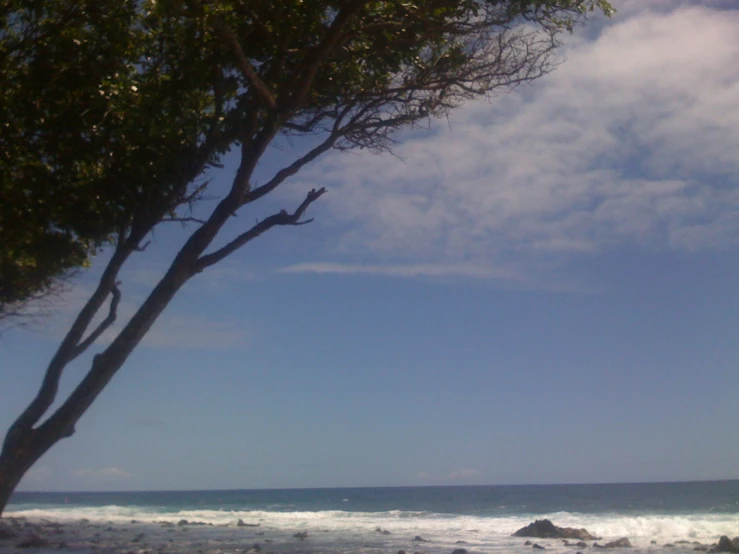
(184, 81)
(74, 156)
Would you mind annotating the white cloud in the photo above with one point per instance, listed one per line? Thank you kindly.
(462, 474)
(632, 141)
(409, 270)
(103, 474)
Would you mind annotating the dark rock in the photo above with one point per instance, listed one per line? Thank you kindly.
(401, 551)
(183, 522)
(256, 547)
(668, 545)
(241, 523)
(620, 543)
(302, 535)
(596, 545)
(6, 532)
(418, 538)
(682, 542)
(725, 544)
(528, 543)
(701, 548)
(545, 529)
(260, 534)
(33, 541)
(652, 542)
(459, 551)
(138, 537)
(581, 544)
(461, 542)
(539, 547)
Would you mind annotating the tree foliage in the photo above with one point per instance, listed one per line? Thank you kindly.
(113, 114)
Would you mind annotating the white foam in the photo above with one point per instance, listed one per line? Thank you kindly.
(704, 527)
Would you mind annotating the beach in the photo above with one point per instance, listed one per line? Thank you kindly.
(657, 519)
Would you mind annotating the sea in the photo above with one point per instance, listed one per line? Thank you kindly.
(658, 518)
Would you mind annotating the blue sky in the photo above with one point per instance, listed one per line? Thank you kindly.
(542, 289)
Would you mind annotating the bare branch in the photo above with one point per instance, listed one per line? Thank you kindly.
(291, 170)
(141, 248)
(183, 220)
(278, 219)
(245, 67)
(107, 322)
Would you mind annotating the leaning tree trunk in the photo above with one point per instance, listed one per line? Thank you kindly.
(16, 459)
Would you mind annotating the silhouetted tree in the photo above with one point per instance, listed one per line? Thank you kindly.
(114, 112)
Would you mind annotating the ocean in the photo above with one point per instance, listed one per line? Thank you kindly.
(656, 518)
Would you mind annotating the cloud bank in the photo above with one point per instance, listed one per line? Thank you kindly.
(631, 143)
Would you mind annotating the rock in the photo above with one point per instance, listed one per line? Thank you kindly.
(538, 547)
(528, 543)
(183, 522)
(418, 538)
(581, 544)
(668, 545)
(725, 544)
(545, 529)
(302, 535)
(138, 537)
(401, 551)
(459, 551)
(33, 541)
(6, 532)
(620, 543)
(461, 542)
(701, 548)
(241, 523)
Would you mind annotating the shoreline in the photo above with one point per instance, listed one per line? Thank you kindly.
(45, 536)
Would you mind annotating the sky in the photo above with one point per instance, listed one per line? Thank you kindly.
(540, 289)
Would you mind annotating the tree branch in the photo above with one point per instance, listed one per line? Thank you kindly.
(107, 322)
(313, 60)
(228, 36)
(291, 170)
(281, 218)
(183, 220)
